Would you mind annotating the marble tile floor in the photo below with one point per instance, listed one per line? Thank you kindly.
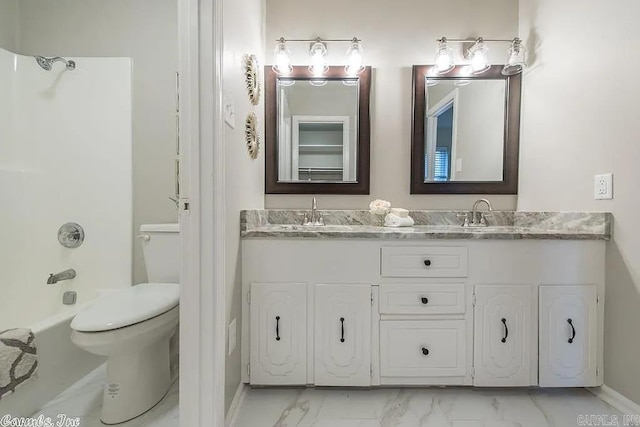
(427, 407)
(84, 400)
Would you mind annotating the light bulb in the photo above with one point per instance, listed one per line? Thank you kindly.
(516, 62)
(354, 58)
(479, 61)
(444, 57)
(283, 61)
(318, 64)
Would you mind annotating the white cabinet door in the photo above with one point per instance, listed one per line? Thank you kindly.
(568, 336)
(342, 335)
(503, 335)
(278, 333)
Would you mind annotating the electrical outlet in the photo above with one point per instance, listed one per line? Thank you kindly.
(232, 336)
(603, 186)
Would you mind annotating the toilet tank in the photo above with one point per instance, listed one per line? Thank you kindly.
(161, 248)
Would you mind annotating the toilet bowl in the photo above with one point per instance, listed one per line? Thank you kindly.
(132, 328)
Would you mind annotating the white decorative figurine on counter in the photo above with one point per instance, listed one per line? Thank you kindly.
(395, 217)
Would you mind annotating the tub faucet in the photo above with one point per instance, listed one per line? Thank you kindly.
(482, 221)
(65, 275)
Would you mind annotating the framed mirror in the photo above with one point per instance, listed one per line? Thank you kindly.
(317, 132)
(465, 131)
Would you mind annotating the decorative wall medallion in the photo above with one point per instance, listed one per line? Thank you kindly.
(252, 137)
(252, 78)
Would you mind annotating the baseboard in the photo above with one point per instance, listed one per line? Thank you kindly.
(615, 399)
(236, 405)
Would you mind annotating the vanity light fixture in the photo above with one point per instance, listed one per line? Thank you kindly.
(318, 53)
(516, 62)
(354, 58)
(318, 56)
(477, 55)
(444, 56)
(283, 60)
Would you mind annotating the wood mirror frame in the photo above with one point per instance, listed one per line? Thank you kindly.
(511, 146)
(272, 185)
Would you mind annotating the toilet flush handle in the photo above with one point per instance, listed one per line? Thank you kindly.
(144, 237)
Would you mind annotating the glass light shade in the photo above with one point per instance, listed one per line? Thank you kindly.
(444, 57)
(318, 82)
(517, 61)
(283, 61)
(479, 53)
(354, 58)
(318, 64)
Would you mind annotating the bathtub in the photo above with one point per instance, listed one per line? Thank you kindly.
(60, 364)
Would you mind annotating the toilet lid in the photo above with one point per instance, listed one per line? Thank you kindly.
(127, 307)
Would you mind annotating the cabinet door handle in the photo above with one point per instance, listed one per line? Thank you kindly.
(342, 329)
(427, 263)
(506, 330)
(573, 331)
(424, 300)
(277, 328)
(425, 351)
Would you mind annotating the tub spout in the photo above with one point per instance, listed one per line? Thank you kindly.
(65, 275)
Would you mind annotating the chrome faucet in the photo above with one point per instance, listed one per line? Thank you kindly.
(474, 213)
(65, 275)
(316, 217)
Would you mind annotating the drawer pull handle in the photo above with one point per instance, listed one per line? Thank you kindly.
(427, 263)
(342, 329)
(425, 351)
(506, 330)
(277, 328)
(573, 331)
(424, 300)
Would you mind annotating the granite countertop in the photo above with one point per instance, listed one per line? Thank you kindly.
(502, 225)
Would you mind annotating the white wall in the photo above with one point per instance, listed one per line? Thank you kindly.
(580, 118)
(70, 131)
(146, 31)
(395, 37)
(244, 177)
(480, 130)
(8, 27)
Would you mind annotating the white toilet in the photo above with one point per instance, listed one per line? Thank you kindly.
(132, 327)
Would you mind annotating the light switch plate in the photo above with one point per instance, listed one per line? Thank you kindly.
(603, 186)
(229, 112)
(232, 336)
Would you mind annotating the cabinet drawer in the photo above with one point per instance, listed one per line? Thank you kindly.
(423, 348)
(422, 299)
(450, 261)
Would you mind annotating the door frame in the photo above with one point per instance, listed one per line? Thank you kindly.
(450, 99)
(202, 214)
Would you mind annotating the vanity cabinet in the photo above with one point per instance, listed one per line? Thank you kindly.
(278, 333)
(489, 313)
(504, 335)
(342, 333)
(568, 336)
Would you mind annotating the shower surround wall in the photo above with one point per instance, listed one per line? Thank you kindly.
(65, 156)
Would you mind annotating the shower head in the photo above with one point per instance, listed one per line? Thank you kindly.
(46, 63)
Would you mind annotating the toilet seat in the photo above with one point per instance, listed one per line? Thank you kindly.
(127, 307)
